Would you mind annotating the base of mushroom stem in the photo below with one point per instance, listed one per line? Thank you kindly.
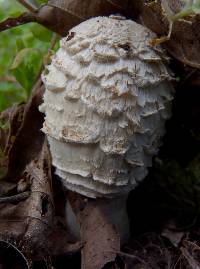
(114, 211)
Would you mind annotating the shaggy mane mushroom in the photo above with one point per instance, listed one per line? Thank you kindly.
(108, 95)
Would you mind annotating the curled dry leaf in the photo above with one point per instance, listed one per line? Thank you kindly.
(90, 8)
(191, 252)
(26, 220)
(62, 15)
(171, 232)
(10, 121)
(184, 39)
(27, 214)
(101, 239)
(27, 132)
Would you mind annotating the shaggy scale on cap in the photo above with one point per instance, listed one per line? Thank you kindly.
(108, 95)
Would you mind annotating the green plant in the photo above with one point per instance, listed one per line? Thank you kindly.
(188, 8)
(21, 55)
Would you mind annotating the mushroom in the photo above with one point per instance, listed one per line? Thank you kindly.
(108, 95)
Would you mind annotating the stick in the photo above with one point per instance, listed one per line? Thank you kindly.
(15, 198)
(12, 22)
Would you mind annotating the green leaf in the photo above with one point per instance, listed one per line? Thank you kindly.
(11, 93)
(4, 125)
(41, 1)
(26, 67)
(15, 13)
(12, 42)
(10, 8)
(196, 7)
(20, 44)
(41, 33)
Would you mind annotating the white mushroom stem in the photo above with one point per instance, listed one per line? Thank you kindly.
(113, 212)
(116, 212)
(72, 223)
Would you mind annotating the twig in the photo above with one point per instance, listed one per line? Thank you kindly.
(30, 6)
(131, 256)
(7, 79)
(15, 198)
(44, 15)
(54, 40)
(127, 255)
(12, 22)
(190, 259)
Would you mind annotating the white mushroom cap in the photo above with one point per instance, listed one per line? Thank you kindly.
(108, 94)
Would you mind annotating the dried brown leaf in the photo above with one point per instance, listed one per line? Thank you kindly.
(90, 8)
(184, 40)
(10, 121)
(191, 252)
(27, 213)
(100, 237)
(60, 16)
(171, 232)
(29, 139)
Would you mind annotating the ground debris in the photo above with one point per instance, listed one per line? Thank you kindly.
(28, 218)
(100, 237)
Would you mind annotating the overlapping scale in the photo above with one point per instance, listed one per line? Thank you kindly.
(108, 95)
